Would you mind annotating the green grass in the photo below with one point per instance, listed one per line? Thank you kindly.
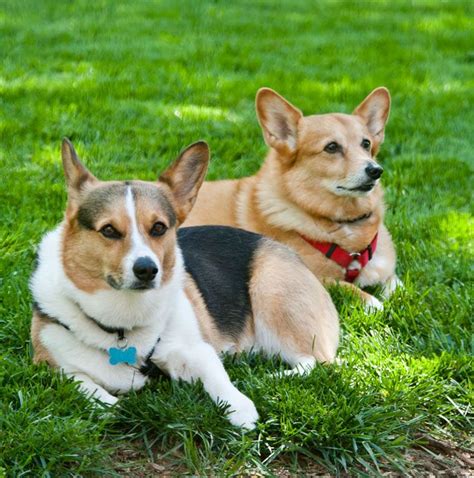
(131, 83)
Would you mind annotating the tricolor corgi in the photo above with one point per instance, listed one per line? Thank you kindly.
(120, 294)
(318, 191)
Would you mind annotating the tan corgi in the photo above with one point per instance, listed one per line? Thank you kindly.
(318, 192)
(121, 295)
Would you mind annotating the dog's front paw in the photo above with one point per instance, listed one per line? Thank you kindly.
(243, 413)
(104, 399)
(391, 286)
(372, 305)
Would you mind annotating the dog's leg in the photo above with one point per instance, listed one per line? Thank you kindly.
(201, 362)
(92, 389)
(185, 355)
(303, 366)
(391, 286)
(371, 303)
(298, 323)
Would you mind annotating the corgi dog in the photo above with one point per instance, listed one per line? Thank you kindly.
(318, 192)
(121, 295)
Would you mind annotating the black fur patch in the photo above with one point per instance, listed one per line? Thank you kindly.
(219, 259)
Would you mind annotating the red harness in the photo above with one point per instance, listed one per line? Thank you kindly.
(344, 258)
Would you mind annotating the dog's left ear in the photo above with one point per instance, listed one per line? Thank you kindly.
(374, 110)
(185, 176)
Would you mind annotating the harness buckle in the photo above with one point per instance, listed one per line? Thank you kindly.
(355, 255)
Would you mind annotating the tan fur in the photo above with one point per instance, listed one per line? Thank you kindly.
(87, 256)
(292, 194)
(302, 316)
(41, 353)
(206, 323)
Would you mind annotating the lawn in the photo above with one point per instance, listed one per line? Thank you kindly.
(131, 83)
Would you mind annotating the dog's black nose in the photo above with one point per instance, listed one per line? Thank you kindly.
(374, 171)
(145, 269)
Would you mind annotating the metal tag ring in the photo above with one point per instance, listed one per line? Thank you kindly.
(122, 343)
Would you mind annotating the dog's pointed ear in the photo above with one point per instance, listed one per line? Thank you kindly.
(77, 175)
(279, 121)
(374, 110)
(185, 176)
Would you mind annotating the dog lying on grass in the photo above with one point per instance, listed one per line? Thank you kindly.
(318, 192)
(121, 295)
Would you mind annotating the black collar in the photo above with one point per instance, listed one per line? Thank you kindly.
(356, 219)
(110, 330)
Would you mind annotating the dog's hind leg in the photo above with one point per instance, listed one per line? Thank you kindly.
(294, 316)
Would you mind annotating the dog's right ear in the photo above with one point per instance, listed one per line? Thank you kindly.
(185, 176)
(77, 175)
(279, 121)
(374, 111)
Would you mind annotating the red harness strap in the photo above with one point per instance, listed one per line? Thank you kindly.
(344, 258)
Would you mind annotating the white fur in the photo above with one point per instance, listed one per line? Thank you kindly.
(139, 248)
(372, 304)
(163, 312)
(391, 286)
(188, 357)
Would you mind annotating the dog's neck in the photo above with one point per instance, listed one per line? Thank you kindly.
(339, 219)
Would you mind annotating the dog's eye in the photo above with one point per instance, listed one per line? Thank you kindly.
(158, 229)
(366, 144)
(110, 232)
(332, 147)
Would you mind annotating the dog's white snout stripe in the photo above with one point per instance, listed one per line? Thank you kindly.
(138, 245)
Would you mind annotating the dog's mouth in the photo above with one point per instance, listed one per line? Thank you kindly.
(365, 187)
(142, 285)
(137, 285)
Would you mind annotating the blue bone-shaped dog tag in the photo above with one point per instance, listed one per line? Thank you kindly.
(128, 355)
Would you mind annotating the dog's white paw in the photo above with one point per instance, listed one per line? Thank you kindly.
(104, 398)
(391, 286)
(243, 413)
(372, 305)
(103, 401)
